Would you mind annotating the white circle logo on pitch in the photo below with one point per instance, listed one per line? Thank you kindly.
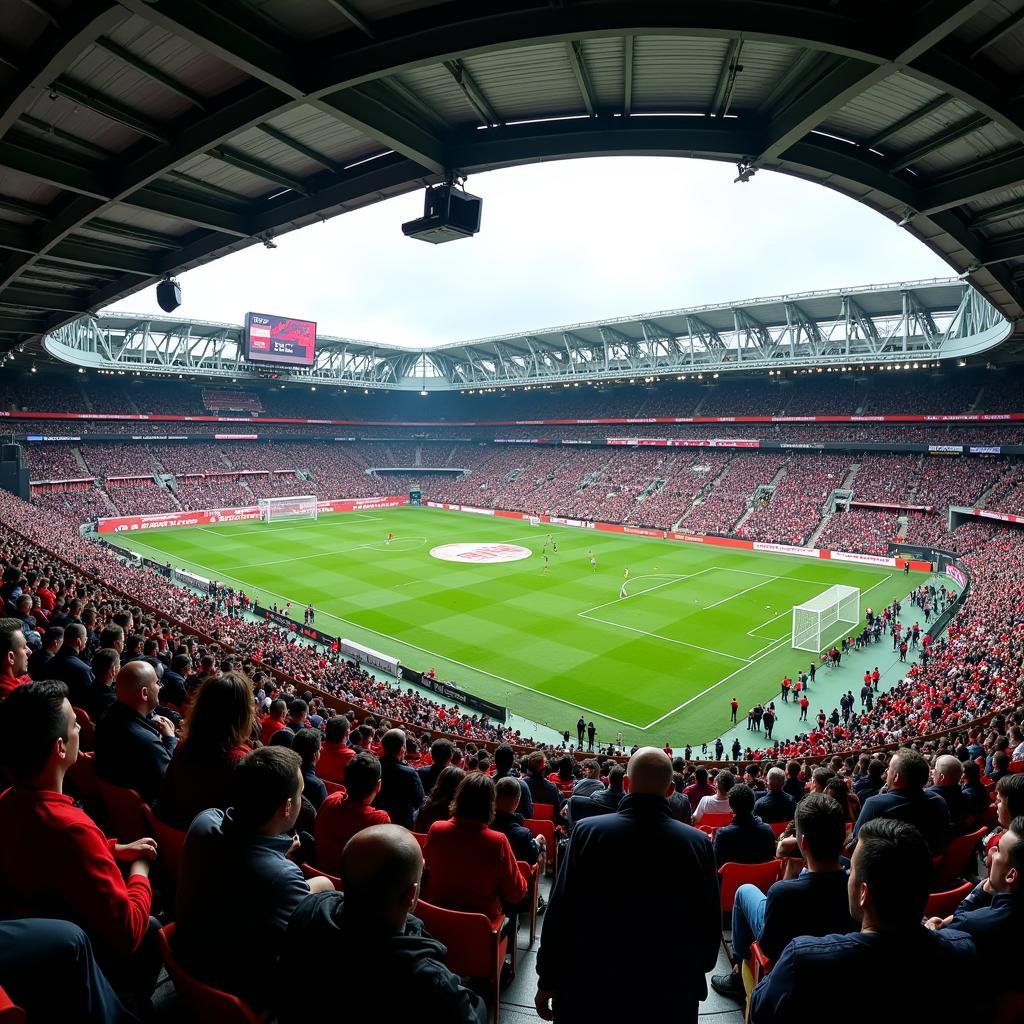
(480, 554)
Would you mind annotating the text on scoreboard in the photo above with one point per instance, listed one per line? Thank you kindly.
(279, 339)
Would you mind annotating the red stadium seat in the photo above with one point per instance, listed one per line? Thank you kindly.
(544, 811)
(717, 819)
(476, 947)
(778, 827)
(545, 828)
(332, 787)
(9, 1013)
(170, 843)
(942, 904)
(123, 810)
(87, 729)
(732, 876)
(957, 856)
(531, 872)
(421, 838)
(82, 776)
(1017, 766)
(311, 872)
(206, 1005)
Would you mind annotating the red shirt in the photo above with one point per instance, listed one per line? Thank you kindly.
(337, 821)
(56, 862)
(334, 759)
(472, 868)
(8, 684)
(267, 729)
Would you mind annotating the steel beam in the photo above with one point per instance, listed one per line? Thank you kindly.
(258, 168)
(300, 147)
(574, 51)
(955, 132)
(144, 67)
(972, 182)
(726, 79)
(993, 35)
(473, 93)
(349, 11)
(905, 122)
(80, 93)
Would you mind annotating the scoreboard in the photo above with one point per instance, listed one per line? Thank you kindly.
(279, 339)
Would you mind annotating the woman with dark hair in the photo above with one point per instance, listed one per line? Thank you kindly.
(839, 789)
(437, 806)
(471, 867)
(564, 778)
(218, 729)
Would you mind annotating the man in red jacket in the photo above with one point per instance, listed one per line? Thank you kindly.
(54, 859)
(335, 753)
(13, 657)
(348, 811)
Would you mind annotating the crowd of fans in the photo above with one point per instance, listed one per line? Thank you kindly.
(859, 529)
(730, 494)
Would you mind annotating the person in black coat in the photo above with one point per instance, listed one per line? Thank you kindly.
(946, 777)
(748, 840)
(509, 822)
(441, 752)
(401, 791)
(68, 666)
(39, 661)
(371, 931)
(776, 805)
(133, 744)
(541, 790)
(172, 683)
(637, 872)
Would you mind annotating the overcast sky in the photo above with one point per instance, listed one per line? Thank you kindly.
(560, 242)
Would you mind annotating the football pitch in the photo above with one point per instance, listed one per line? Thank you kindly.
(698, 624)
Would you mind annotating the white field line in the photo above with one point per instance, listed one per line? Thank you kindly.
(658, 636)
(404, 643)
(731, 597)
(670, 579)
(770, 649)
(371, 545)
(342, 520)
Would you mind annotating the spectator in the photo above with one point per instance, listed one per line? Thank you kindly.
(307, 745)
(542, 791)
(888, 889)
(906, 800)
(678, 804)
(441, 751)
(871, 783)
(509, 822)
(133, 744)
(719, 803)
(795, 785)
(609, 798)
(238, 889)
(747, 840)
(273, 721)
(69, 668)
(946, 777)
(14, 656)
(776, 805)
(591, 782)
(172, 682)
(504, 759)
(401, 792)
(40, 659)
(471, 867)
(699, 788)
(218, 730)
(335, 753)
(626, 857)
(437, 805)
(372, 933)
(106, 664)
(348, 811)
(976, 795)
(814, 903)
(54, 859)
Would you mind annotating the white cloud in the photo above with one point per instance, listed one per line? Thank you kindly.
(561, 242)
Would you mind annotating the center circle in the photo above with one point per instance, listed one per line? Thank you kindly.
(480, 554)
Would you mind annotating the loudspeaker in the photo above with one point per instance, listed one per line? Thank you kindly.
(448, 213)
(168, 295)
(14, 478)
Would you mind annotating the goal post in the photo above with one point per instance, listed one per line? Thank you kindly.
(812, 618)
(299, 507)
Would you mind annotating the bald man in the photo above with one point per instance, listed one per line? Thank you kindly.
(946, 777)
(637, 873)
(134, 744)
(371, 935)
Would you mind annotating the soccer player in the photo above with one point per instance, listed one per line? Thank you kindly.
(554, 547)
(390, 536)
(593, 560)
(625, 580)
(545, 569)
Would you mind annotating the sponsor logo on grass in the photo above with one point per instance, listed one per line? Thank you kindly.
(480, 554)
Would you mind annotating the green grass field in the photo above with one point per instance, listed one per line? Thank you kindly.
(699, 624)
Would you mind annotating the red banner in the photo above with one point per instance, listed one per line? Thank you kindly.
(668, 442)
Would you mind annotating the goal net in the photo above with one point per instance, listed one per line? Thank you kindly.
(812, 618)
(302, 507)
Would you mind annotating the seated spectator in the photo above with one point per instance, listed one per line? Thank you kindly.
(14, 656)
(591, 782)
(795, 785)
(441, 751)
(870, 784)
(888, 890)
(348, 811)
(509, 823)
(273, 721)
(814, 903)
(678, 805)
(298, 712)
(504, 760)
(564, 778)
(55, 860)
(134, 744)
(335, 753)
(472, 867)
(776, 805)
(370, 932)
(747, 840)
(542, 790)
(946, 784)
(1000, 766)
(105, 665)
(719, 803)
(39, 660)
(67, 665)
(238, 889)
(839, 789)
(47, 968)
(976, 795)
(218, 728)
(906, 800)
(307, 745)
(992, 912)
(609, 798)
(401, 792)
(437, 806)
(172, 682)
(699, 788)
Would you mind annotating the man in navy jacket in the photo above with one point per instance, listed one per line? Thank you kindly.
(641, 873)
(401, 791)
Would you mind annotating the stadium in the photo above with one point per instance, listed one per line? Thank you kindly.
(691, 639)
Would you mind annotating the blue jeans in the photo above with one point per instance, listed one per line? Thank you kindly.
(747, 919)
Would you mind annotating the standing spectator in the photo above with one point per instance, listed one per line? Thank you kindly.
(591, 733)
(504, 760)
(626, 857)
(401, 792)
(580, 727)
(371, 931)
(133, 744)
(348, 811)
(106, 664)
(795, 785)
(238, 889)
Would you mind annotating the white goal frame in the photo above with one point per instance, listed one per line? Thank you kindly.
(810, 620)
(301, 506)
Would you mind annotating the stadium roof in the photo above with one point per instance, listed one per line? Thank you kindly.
(911, 324)
(141, 138)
